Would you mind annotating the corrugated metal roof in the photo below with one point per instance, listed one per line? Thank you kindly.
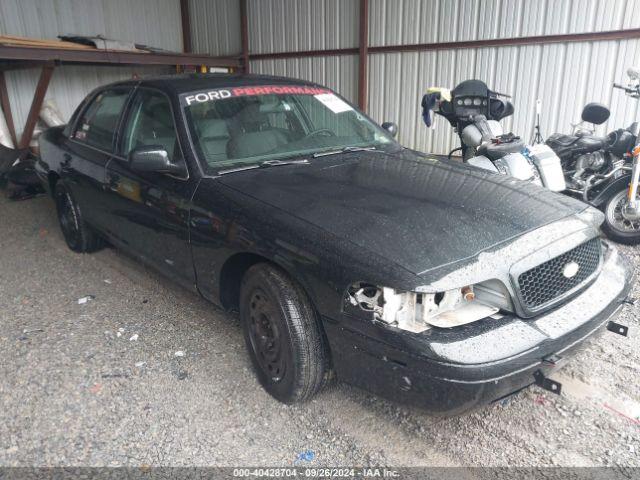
(215, 26)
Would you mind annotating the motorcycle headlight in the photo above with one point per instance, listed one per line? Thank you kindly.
(417, 312)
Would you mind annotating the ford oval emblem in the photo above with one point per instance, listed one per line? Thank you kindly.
(570, 270)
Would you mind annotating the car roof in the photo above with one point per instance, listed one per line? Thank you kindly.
(191, 82)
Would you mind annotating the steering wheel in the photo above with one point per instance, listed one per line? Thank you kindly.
(322, 131)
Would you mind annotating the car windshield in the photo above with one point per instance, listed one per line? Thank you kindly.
(244, 126)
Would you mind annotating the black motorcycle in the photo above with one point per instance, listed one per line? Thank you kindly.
(599, 170)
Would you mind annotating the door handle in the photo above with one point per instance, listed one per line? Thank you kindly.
(112, 182)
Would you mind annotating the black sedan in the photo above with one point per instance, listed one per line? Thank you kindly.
(346, 254)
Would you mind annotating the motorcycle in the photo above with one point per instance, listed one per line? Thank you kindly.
(475, 113)
(604, 171)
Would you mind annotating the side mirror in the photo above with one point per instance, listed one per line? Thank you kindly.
(391, 127)
(153, 158)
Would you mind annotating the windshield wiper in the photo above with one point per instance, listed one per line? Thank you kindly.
(344, 150)
(265, 164)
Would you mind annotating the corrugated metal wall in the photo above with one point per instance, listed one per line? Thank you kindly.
(564, 76)
(151, 22)
(299, 25)
(215, 26)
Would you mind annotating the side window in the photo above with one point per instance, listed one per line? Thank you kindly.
(99, 121)
(150, 123)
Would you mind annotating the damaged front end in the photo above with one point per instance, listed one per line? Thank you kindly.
(418, 311)
(489, 327)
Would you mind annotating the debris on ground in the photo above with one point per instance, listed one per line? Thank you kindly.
(306, 456)
(83, 300)
(33, 330)
(95, 388)
(179, 353)
(134, 337)
(140, 364)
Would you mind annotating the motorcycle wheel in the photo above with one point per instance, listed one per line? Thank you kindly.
(615, 226)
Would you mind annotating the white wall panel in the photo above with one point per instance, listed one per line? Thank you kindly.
(563, 76)
(151, 22)
(339, 73)
(215, 26)
(296, 25)
(68, 86)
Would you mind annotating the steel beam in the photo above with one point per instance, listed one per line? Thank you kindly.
(497, 42)
(114, 57)
(244, 31)
(186, 26)
(36, 105)
(6, 108)
(363, 54)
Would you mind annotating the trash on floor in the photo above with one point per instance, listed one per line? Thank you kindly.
(179, 353)
(83, 300)
(134, 337)
(306, 456)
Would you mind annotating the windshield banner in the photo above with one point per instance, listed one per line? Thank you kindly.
(221, 94)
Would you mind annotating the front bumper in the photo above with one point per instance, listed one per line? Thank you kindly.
(451, 371)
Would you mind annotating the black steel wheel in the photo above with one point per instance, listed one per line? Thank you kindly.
(285, 340)
(78, 235)
(266, 338)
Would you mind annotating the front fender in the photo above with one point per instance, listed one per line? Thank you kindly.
(620, 183)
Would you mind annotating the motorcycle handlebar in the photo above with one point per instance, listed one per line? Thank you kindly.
(626, 89)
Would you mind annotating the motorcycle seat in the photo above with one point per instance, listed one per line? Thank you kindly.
(565, 145)
(495, 151)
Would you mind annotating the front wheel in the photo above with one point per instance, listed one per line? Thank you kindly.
(283, 334)
(615, 226)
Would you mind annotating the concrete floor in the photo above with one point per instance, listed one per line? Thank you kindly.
(78, 388)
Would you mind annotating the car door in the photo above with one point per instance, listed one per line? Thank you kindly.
(148, 211)
(89, 149)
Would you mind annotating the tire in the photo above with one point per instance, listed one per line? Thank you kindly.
(615, 226)
(283, 335)
(79, 236)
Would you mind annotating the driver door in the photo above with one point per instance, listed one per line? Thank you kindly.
(149, 212)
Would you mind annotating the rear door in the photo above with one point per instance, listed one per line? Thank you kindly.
(149, 212)
(89, 148)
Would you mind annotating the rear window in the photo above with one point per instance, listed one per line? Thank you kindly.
(99, 121)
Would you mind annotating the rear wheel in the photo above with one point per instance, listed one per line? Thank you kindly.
(283, 335)
(615, 226)
(78, 235)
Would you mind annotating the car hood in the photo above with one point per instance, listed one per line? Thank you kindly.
(417, 212)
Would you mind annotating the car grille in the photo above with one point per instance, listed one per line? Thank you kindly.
(545, 283)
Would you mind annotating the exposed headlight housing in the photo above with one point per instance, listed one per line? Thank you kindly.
(417, 312)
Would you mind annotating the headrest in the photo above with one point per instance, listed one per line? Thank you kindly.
(213, 127)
